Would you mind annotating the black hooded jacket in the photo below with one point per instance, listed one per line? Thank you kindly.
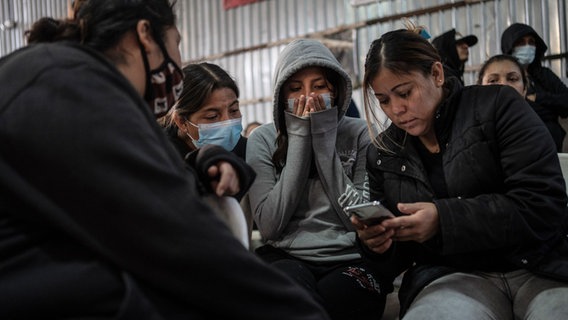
(99, 217)
(446, 46)
(551, 93)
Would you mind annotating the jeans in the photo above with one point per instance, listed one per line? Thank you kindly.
(515, 295)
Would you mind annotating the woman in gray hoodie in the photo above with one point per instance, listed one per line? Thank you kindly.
(310, 164)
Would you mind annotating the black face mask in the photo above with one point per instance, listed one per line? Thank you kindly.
(163, 84)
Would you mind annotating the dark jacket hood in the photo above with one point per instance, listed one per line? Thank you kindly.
(446, 46)
(518, 30)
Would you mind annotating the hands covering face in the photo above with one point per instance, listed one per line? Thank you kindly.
(307, 91)
(305, 105)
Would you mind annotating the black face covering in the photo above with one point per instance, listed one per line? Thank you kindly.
(163, 84)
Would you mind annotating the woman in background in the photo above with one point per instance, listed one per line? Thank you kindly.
(504, 70)
(546, 93)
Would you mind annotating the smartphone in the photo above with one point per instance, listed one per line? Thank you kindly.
(369, 213)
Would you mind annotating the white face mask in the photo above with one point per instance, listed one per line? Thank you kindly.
(525, 54)
(326, 100)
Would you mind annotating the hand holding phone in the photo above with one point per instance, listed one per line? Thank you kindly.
(370, 213)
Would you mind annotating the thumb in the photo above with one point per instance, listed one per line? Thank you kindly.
(213, 171)
(408, 208)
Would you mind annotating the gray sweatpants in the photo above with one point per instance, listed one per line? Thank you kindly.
(498, 296)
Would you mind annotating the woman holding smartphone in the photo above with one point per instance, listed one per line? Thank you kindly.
(473, 176)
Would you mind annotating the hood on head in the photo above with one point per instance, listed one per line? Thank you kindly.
(303, 53)
(518, 30)
(446, 46)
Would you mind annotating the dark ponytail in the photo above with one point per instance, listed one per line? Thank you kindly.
(51, 30)
(101, 24)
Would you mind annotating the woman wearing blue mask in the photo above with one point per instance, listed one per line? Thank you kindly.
(207, 112)
(546, 93)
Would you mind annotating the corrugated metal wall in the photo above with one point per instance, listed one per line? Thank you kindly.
(17, 16)
(246, 40)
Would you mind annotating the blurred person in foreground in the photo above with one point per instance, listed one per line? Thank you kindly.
(99, 216)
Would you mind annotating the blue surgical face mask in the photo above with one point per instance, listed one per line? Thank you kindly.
(326, 100)
(525, 54)
(223, 133)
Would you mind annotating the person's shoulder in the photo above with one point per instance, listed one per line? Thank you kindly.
(41, 63)
(71, 55)
(241, 147)
(264, 131)
(261, 140)
(479, 98)
(48, 54)
(372, 153)
(549, 75)
(52, 58)
(352, 126)
(353, 122)
(476, 92)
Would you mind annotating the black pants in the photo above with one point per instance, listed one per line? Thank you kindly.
(348, 290)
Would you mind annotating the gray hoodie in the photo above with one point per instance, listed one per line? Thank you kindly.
(300, 209)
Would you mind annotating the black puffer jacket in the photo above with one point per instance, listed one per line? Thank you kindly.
(551, 93)
(506, 205)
